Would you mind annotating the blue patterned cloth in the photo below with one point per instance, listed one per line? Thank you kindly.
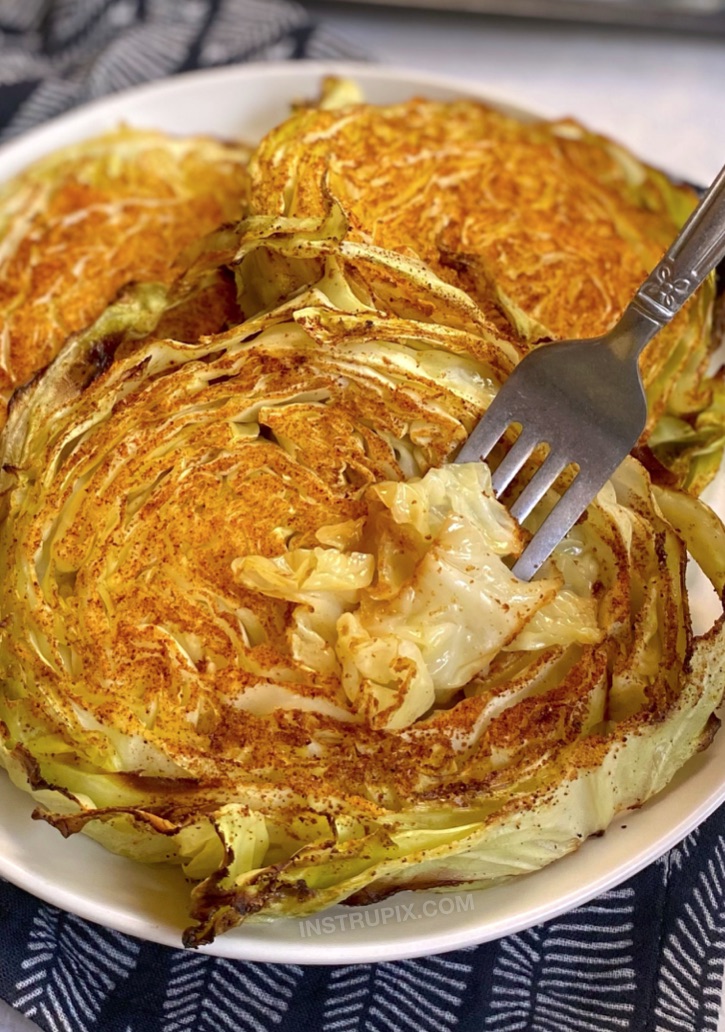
(55, 54)
(645, 957)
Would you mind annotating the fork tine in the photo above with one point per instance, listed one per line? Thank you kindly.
(487, 432)
(514, 459)
(561, 518)
(539, 484)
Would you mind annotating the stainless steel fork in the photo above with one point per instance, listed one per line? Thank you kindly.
(584, 398)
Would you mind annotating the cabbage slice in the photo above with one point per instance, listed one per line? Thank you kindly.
(548, 226)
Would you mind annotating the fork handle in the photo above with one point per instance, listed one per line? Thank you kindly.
(696, 251)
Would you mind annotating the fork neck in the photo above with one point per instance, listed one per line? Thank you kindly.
(635, 329)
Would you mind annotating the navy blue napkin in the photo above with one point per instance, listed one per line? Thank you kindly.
(644, 957)
(55, 54)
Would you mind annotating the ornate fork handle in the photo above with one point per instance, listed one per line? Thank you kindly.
(697, 249)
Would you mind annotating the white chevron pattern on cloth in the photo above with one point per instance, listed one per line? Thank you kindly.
(143, 53)
(83, 49)
(236, 32)
(70, 969)
(348, 993)
(423, 995)
(206, 995)
(572, 975)
(689, 955)
(185, 992)
(51, 98)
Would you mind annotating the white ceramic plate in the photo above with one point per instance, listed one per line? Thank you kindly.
(149, 902)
